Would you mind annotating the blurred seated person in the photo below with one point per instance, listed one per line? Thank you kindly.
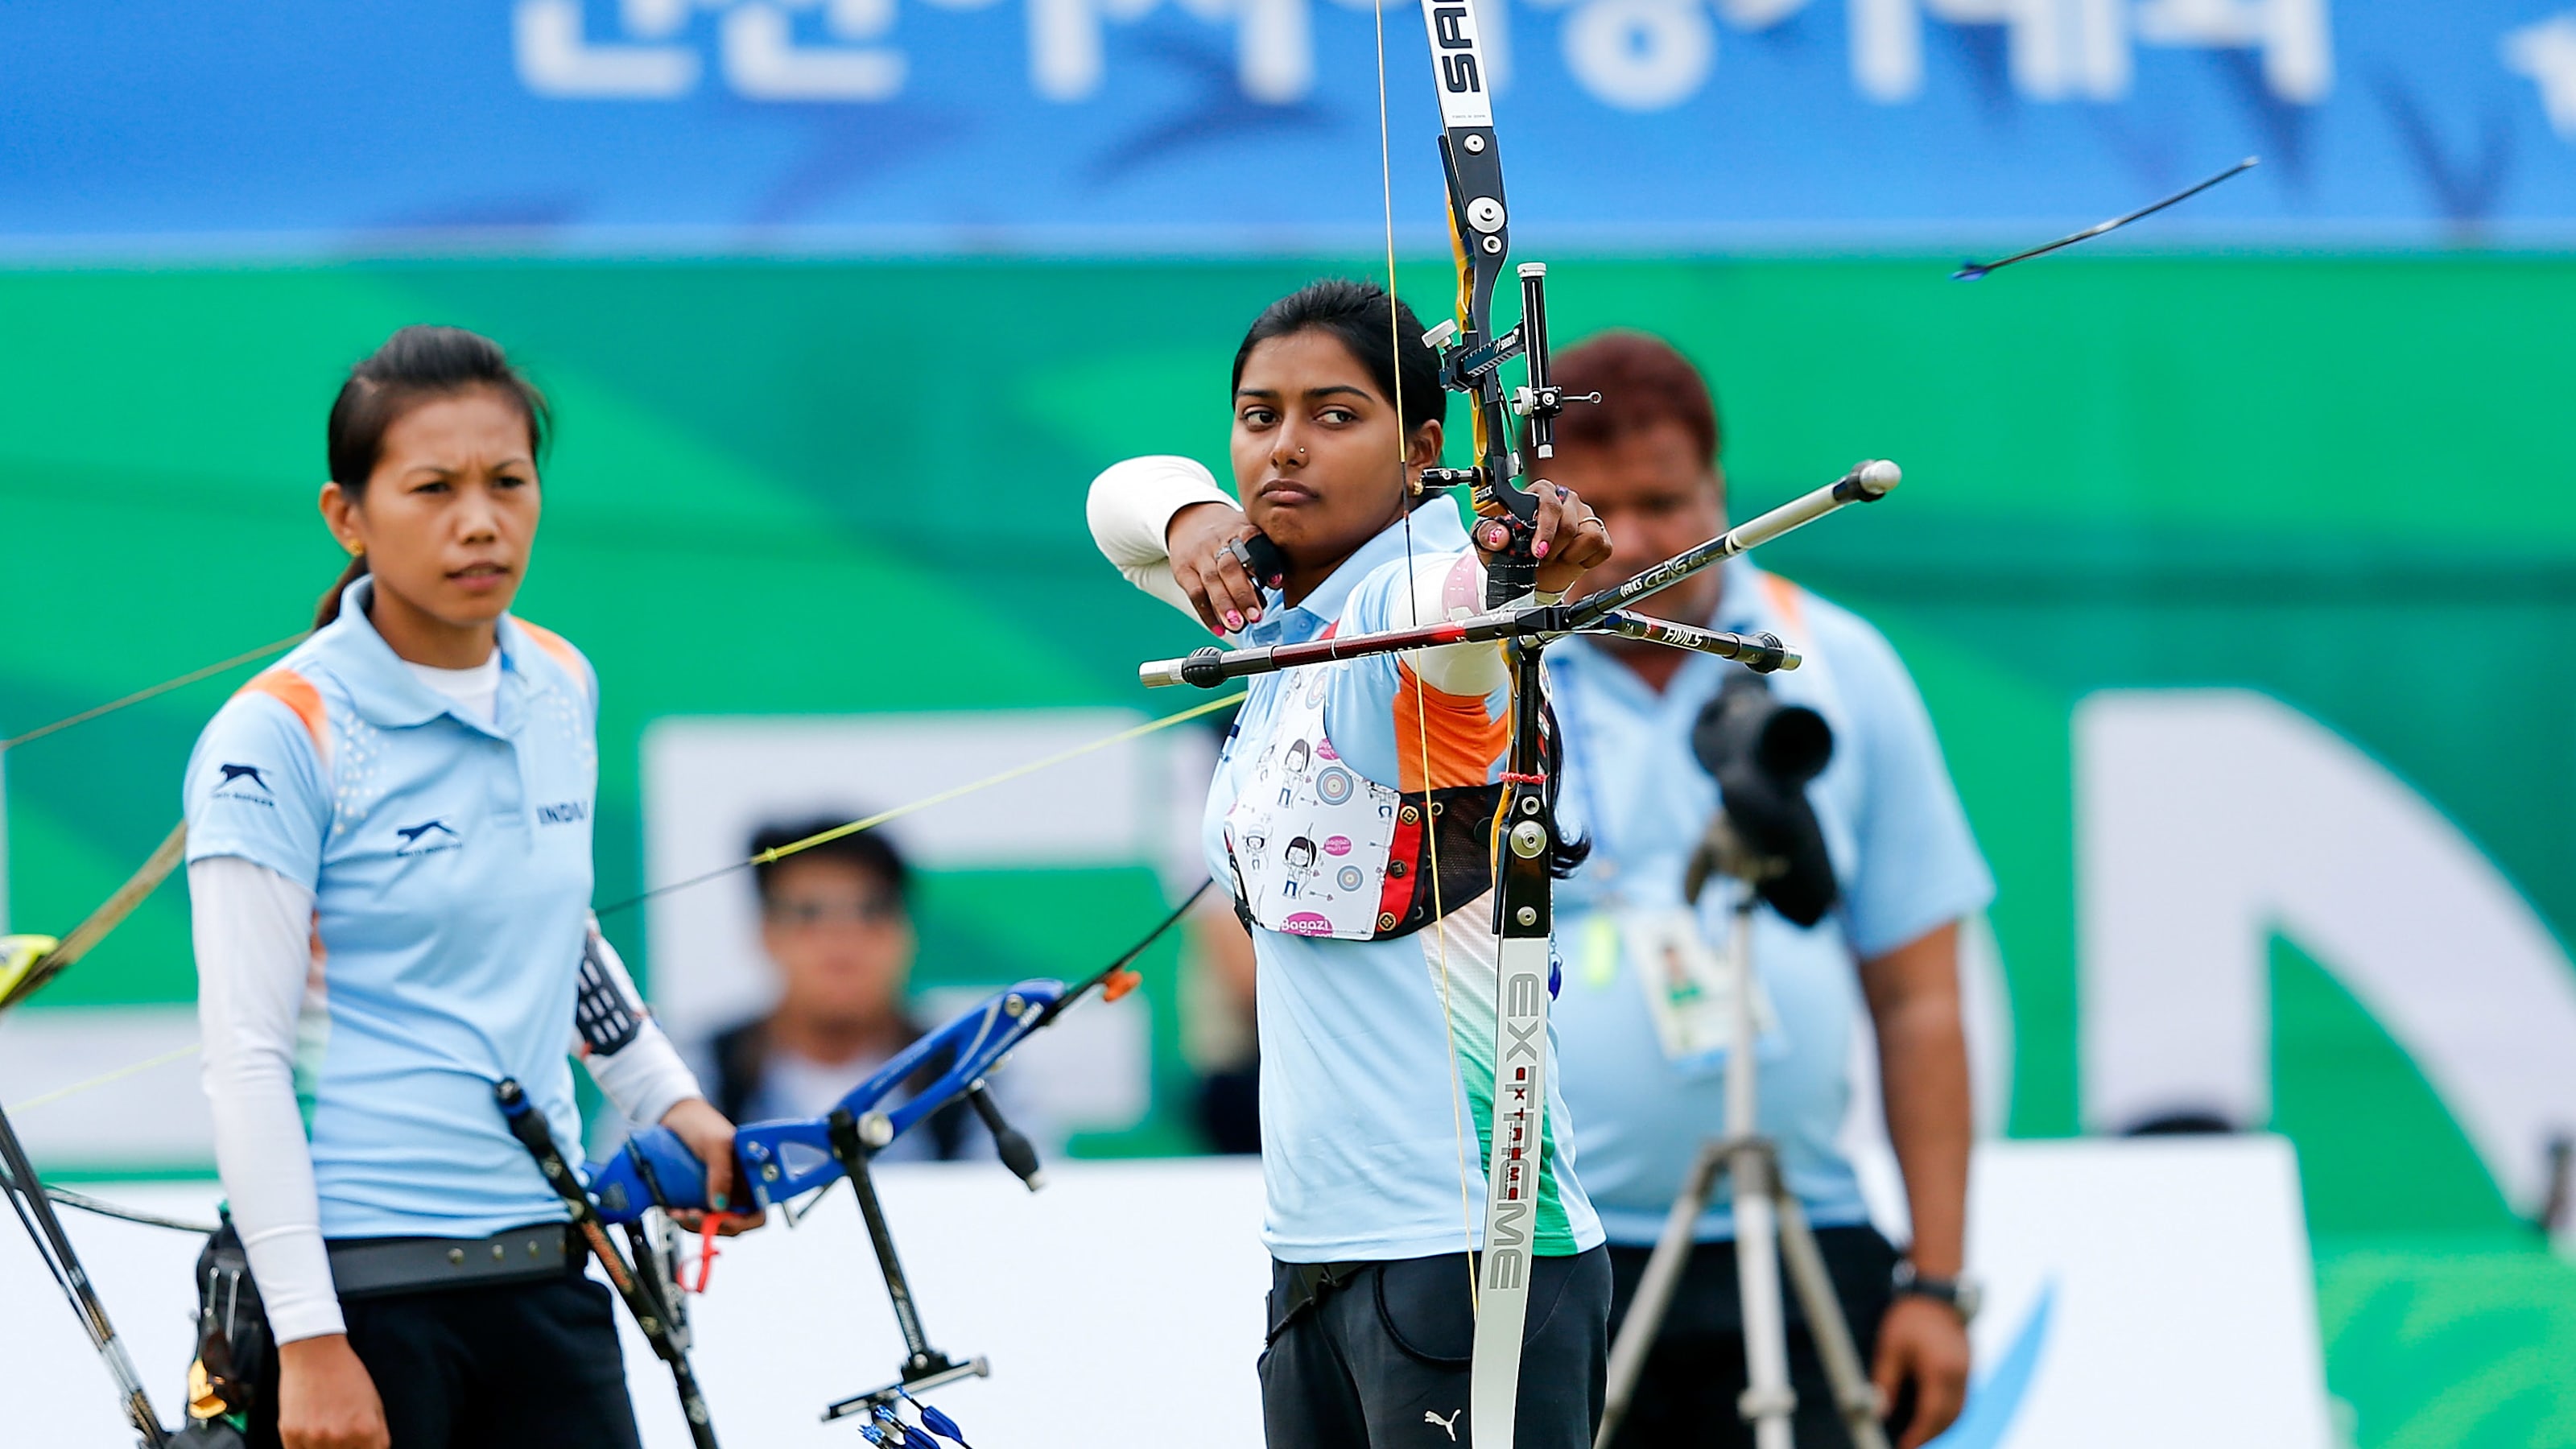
(836, 921)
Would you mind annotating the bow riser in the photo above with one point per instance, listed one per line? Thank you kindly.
(782, 1160)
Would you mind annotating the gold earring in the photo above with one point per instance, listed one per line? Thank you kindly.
(357, 550)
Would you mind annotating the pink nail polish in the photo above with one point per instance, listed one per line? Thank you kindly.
(1233, 620)
(1538, 550)
(1255, 615)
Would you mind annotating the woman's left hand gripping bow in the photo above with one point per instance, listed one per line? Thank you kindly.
(710, 1137)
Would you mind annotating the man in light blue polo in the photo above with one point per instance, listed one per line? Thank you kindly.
(1643, 1060)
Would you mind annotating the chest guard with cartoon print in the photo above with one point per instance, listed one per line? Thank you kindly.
(1320, 850)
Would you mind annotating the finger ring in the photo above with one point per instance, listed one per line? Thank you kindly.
(1241, 555)
(1563, 492)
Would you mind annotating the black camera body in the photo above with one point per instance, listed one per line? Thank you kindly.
(1762, 754)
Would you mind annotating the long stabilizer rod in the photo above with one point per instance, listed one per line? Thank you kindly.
(1596, 613)
(1865, 483)
(1761, 653)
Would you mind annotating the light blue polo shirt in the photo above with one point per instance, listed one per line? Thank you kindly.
(1360, 1120)
(451, 872)
(1902, 853)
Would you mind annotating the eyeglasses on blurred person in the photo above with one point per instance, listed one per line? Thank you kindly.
(836, 925)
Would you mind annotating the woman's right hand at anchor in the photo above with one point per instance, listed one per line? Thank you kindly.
(1200, 542)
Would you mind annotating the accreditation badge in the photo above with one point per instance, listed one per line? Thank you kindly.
(1691, 990)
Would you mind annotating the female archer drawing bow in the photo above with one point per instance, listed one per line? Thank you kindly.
(1523, 851)
(1529, 838)
(1351, 815)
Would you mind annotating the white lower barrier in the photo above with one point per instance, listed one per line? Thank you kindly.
(2142, 1294)
(2139, 1293)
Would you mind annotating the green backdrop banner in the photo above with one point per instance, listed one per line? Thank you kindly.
(788, 487)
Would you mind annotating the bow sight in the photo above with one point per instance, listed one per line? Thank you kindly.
(1474, 367)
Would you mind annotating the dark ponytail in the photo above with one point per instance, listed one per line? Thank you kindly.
(416, 365)
(329, 608)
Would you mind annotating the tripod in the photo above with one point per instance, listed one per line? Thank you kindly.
(1770, 1226)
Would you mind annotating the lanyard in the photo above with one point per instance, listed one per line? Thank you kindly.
(1574, 667)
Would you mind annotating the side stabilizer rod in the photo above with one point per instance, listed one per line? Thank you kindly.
(1761, 653)
(1867, 482)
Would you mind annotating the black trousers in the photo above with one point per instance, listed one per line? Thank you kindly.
(1686, 1398)
(520, 1366)
(1382, 1358)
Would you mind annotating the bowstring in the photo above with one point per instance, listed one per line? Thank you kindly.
(1421, 707)
(278, 646)
(109, 915)
(871, 822)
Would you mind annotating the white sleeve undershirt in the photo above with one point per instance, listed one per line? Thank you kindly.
(1465, 670)
(1131, 508)
(254, 931)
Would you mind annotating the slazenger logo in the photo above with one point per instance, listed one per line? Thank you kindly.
(244, 782)
(427, 838)
(570, 812)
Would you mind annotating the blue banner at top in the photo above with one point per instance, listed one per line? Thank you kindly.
(726, 125)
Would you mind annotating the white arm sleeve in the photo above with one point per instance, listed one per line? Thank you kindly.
(1130, 509)
(254, 934)
(644, 1078)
